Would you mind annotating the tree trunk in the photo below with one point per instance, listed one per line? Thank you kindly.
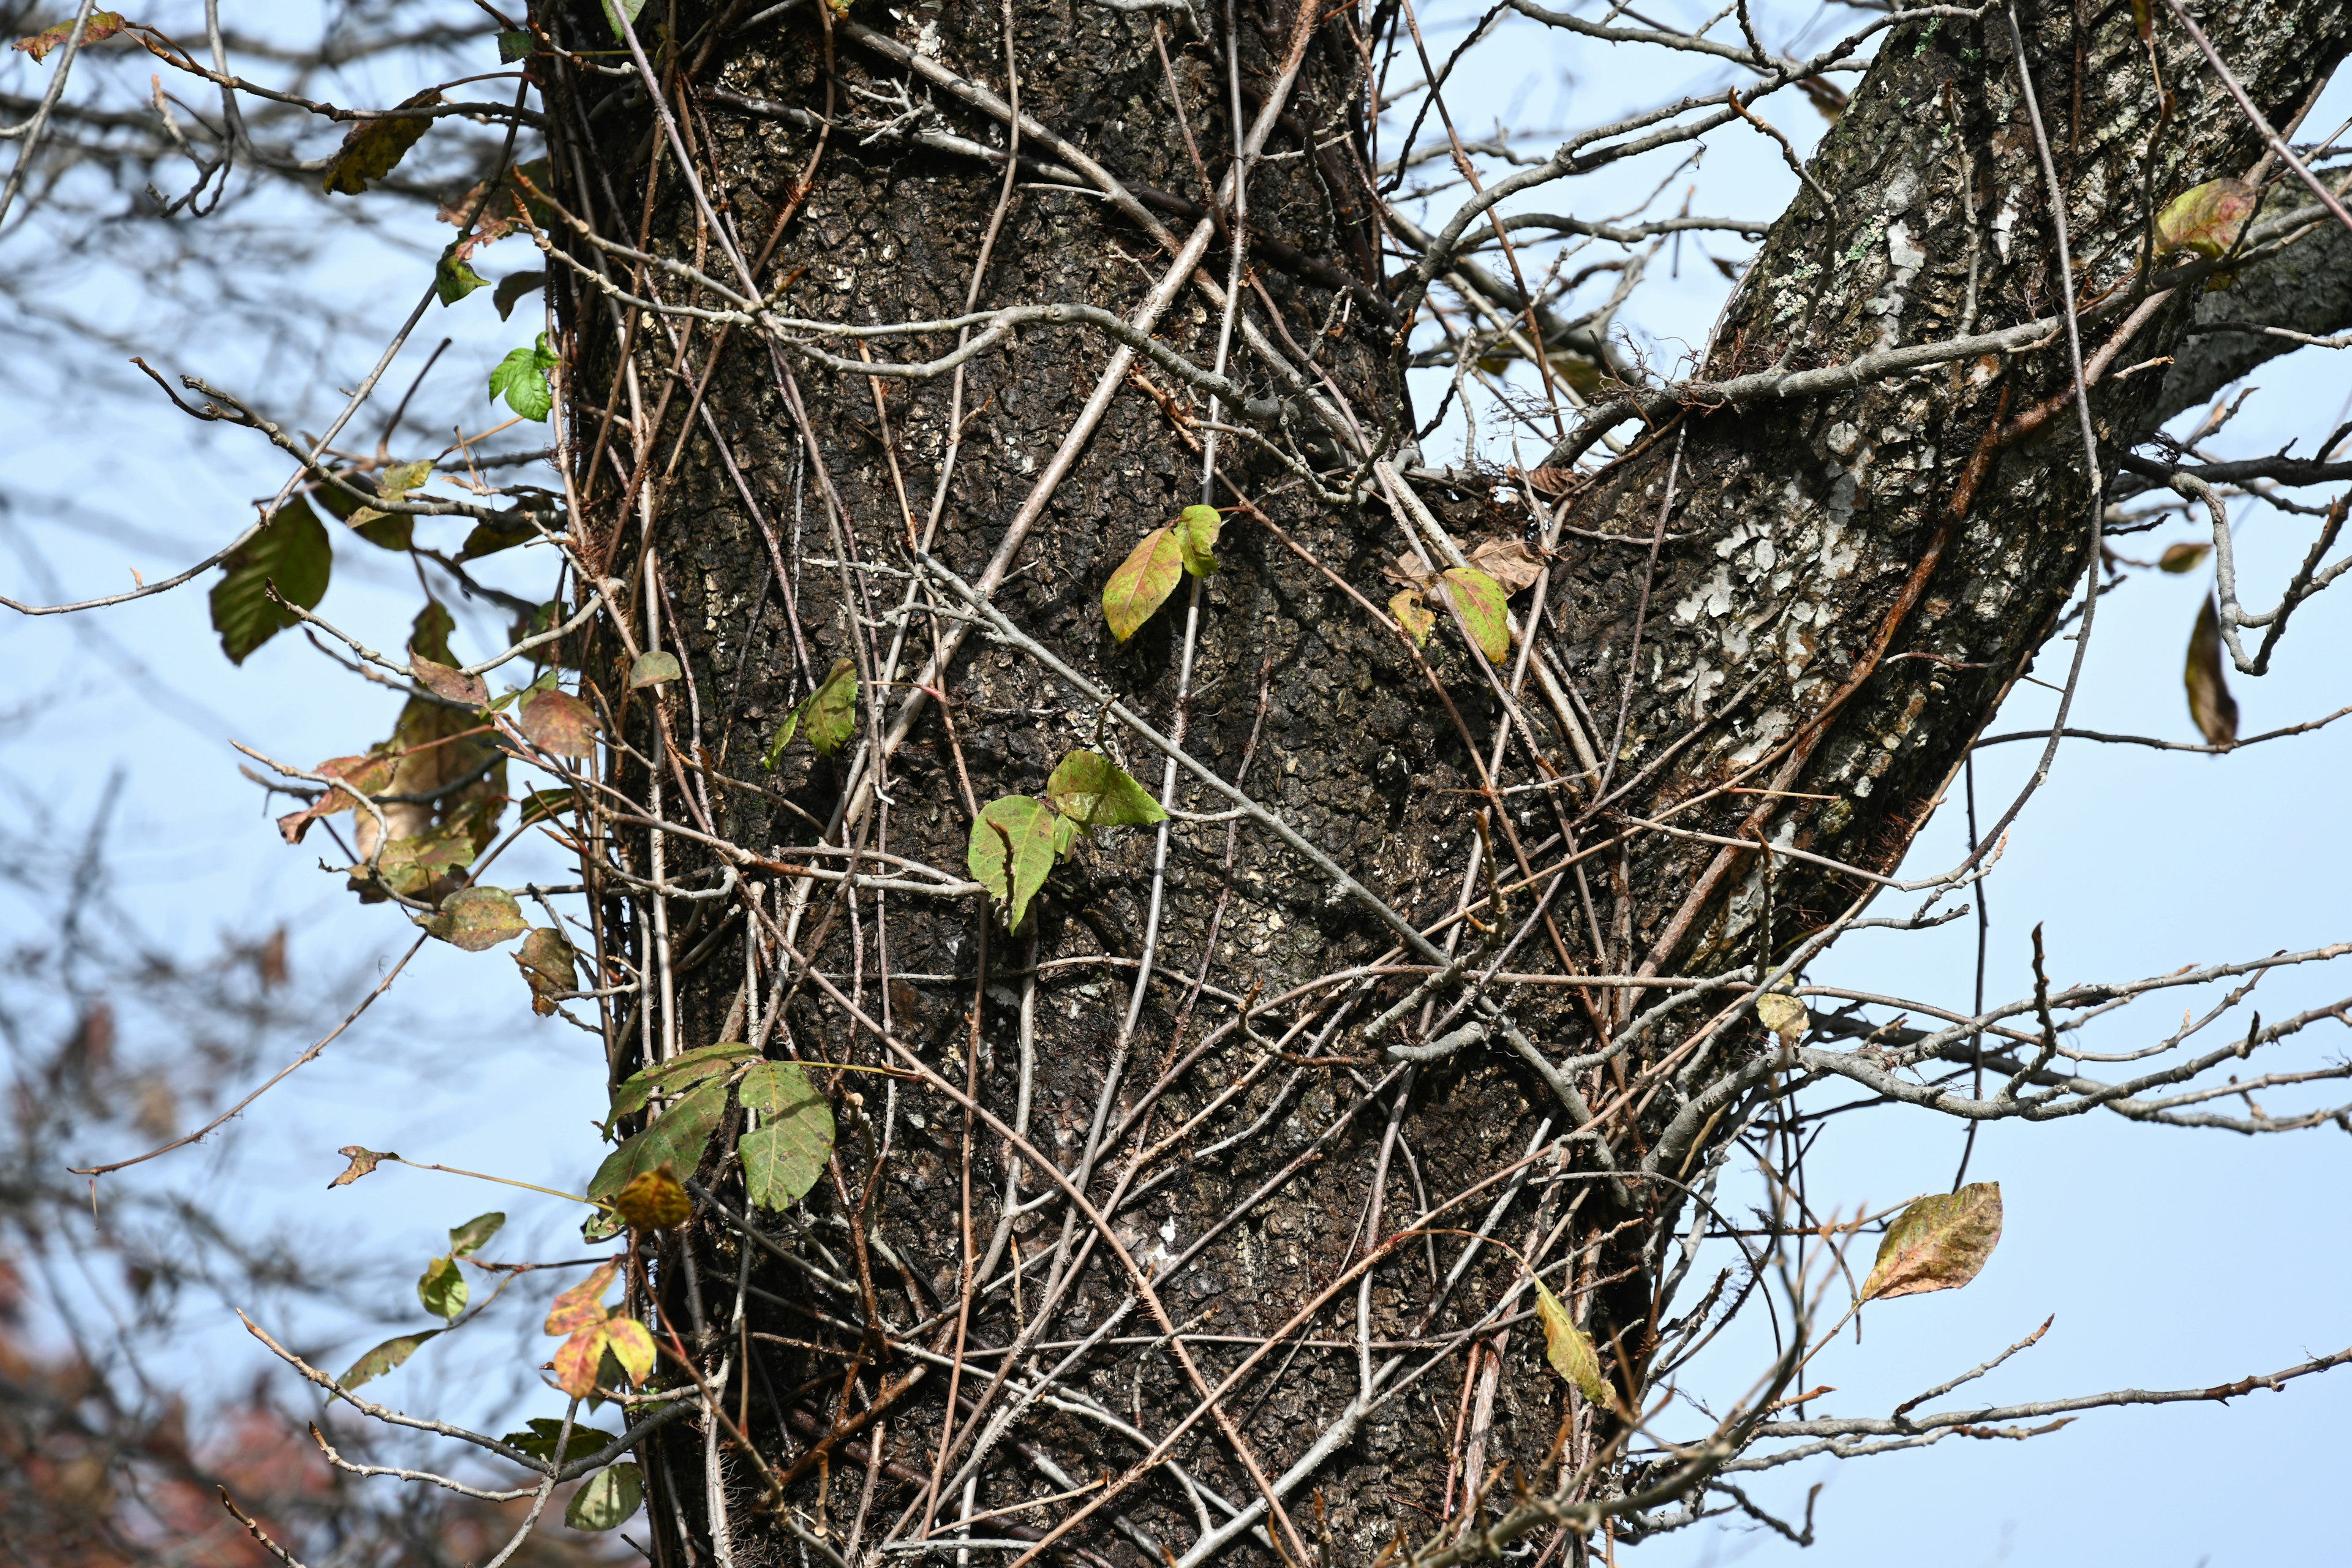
(1817, 600)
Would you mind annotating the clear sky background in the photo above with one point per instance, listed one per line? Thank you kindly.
(2169, 1258)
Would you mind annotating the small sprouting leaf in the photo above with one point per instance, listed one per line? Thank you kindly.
(1783, 1015)
(442, 1289)
(1937, 1244)
(560, 722)
(448, 683)
(2206, 218)
(522, 379)
(467, 1239)
(1092, 791)
(454, 276)
(1013, 842)
(784, 734)
(550, 965)
(1142, 582)
(674, 1075)
(372, 147)
(784, 1159)
(382, 1359)
(652, 1200)
(583, 1306)
(1568, 1348)
(676, 1139)
(2185, 556)
(2209, 703)
(1414, 615)
(654, 669)
(513, 286)
(611, 1496)
(632, 1345)
(830, 714)
(514, 44)
(101, 26)
(1512, 563)
(291, 553)
(1480, 601)
(477, 918)
(363, 1162)
(1196, 538)
(545, 1430)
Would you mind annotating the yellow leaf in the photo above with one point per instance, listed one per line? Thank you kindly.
(1937, 1244)
(1783, 1015)
(1568, 1348)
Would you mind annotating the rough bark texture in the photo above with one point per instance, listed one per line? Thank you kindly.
(1790, 639)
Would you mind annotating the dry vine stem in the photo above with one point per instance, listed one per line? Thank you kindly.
(1325, 1174)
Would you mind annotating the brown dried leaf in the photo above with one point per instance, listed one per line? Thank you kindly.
(2209, 703)
(1513, 563)
(475, 919)
(550, 967)
(102, 25)
(1937, 1244)
(372, 148)
(363, 1162)
(1410, 570)
(2184, 557)
(560, 722)
(450, 684)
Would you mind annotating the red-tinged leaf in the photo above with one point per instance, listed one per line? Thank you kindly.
(550, 967)
(1480, 601)
(652, 1200)
(373, 147)
(1414, 615)
(654, 669)
(448, 684)
(632, 1345)
(2209, 703)
(382, 1359)
(1142, 582)
(363, 1162)
(477, 918)
(560, 722)
(1939, 1243)
(101, 26)
(368, 775)
(1013, 842)
(576, 1360)
(2207, 218)
(583, 1306)
(1196, 537)
(1513, 563)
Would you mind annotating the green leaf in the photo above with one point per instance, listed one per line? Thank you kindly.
(1414, 615)
(2209, 703)
(522, 379)
(784, 1159)
(443, 1289)
(373, 148)
(1568, 1348)
(101, 26)
(477, 918)
(559, 722)
(291, 553)
(653, 670)
(1013, 842)
(513, 286)
(454, 276)
(489, 538)
(1142, 582)
(382, 1359)
(550, 965)
(546, 805)
(606, 1499)
(830, 714)
(687, 1066)
(629, 9)
(410, 866)
(428, 634)
(676, 1139)
(1480, 601)
(514, 44)
(1939, 1243)
(2206, 218)
(1196, 538)
(540, 1441)
(467, 1239)
(1092, 791)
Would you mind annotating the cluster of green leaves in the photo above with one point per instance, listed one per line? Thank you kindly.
(441, 1287)
(687, 1098)
(1016, 838)
(521, 378)
(1150, 572)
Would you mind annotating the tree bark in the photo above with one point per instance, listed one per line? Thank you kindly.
(1818, 601)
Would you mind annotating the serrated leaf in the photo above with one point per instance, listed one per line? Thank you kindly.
(544, 1432)
(673, 1075)
(1142, 582)
(2209, 703)
(1414, 615)
(652, 1200)
(448, 682)
(291, 553)
(382, 1359)
(654, 669)
(2184, 556)
(1939, 1243)
(364, 1162)
(550, 965)
(1783, 1015)
(2206, 218)
(830, 714)
(785, 1157)
(1511, 563)
(442, 1289)
(1196, 538)
(583, 1306)
(373, 148)
(632, 1345)
(467, 1239)
(101, 26)
(1568, 1348)
(676, 1139)
(454, 276)
(1013, 842)
(477, 918)
(560, 722)
(1092, 791)
(522, 379)
(1480, 601)
(512, 288)
(608, 1498)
